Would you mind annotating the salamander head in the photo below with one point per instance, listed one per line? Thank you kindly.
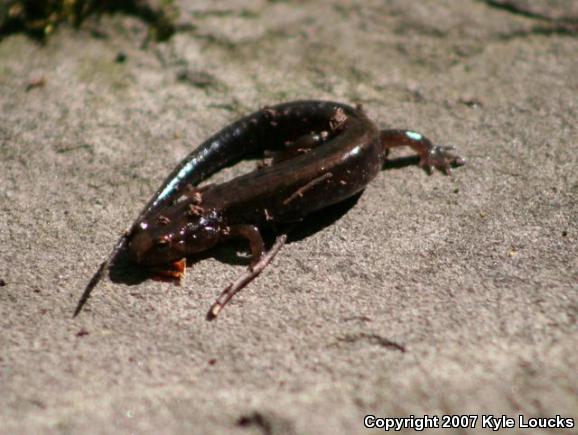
(173, 235)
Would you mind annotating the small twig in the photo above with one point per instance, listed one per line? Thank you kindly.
(251, 273)
(97, 277)
(299, 192)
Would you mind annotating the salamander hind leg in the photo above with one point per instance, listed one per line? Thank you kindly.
(431, 156)
(442, 158)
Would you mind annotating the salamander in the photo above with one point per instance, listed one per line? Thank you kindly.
(323, 153)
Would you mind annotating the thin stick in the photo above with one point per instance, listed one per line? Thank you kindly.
(251, 273)
(97, 277)
(299, 192)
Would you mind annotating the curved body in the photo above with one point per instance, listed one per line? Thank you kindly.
(329, 152)
(324, 152)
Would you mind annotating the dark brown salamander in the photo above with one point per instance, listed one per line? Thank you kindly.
(324, 153)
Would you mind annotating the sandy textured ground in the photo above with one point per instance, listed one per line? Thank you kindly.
(474, 275)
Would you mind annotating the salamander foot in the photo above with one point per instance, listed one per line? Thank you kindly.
(442, 158)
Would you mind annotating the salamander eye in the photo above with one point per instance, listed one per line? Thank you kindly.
(162, 243)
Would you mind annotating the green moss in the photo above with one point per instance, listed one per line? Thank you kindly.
(39, 18)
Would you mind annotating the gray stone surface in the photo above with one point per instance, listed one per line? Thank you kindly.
(476, 275)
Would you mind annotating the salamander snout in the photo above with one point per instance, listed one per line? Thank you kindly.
(139, 245)
(153, 247)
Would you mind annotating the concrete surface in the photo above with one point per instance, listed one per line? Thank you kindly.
(475, 276)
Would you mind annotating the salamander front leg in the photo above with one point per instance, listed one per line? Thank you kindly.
(253, 236)
(252, 272)
(431, 155)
